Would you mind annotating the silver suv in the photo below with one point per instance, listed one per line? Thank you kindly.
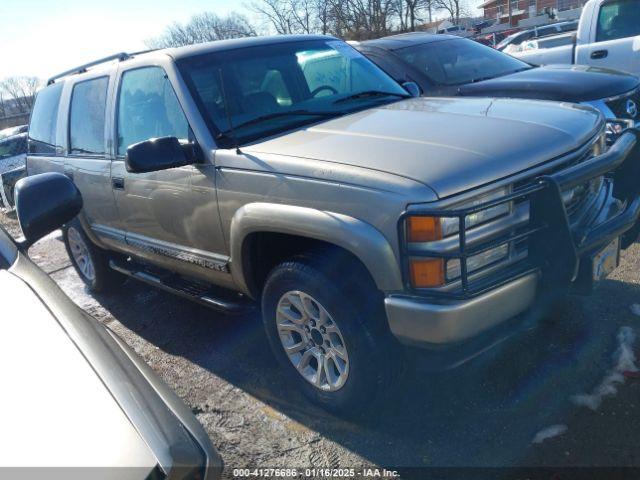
(292, 173)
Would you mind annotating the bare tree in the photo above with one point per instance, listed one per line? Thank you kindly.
(292, 16)
(411, 13)
(454, 8)
(203, 27)
(18, 93)
(362, 19)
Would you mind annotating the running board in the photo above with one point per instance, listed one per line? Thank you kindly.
(212, 297)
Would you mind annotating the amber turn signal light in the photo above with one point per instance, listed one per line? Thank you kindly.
(427, 272)
(423, 229)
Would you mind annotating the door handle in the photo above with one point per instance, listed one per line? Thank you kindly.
(117, 183)
(599, 54)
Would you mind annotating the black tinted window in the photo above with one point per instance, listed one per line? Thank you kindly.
(618, 19)
(148, 108)
(86, 122)
(42, 128)
(456, 62)
(13, 146)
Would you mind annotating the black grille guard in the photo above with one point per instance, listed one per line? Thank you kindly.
(554, 248)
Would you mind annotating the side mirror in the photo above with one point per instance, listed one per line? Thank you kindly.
(44, 203)
(412, 88)
(156, 154)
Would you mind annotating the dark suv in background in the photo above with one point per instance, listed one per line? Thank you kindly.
(446, 66)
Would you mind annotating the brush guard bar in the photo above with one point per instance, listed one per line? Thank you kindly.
(554, 248)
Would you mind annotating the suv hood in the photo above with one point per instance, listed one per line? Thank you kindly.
(448, 144)
(566, 83)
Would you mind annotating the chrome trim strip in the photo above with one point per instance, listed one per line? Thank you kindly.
(108, 232)
(211, 261)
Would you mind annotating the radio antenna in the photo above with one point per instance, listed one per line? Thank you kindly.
(225, 100)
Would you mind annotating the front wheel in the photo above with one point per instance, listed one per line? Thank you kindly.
(331, 341)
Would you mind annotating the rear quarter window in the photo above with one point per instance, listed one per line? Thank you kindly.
(42, 127)
(87, 116)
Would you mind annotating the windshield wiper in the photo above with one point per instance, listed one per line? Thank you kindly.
(271, 116)
(371, 93)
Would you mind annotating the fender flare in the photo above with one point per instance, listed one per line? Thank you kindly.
(363, 240)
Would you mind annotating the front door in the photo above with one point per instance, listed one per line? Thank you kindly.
(158, 208)
(617, 42)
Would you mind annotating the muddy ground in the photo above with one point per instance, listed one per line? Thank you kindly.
(484, 414)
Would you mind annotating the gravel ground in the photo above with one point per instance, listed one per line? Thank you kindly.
(484, 414)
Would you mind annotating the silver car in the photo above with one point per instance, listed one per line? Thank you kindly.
(291, 173)
(13, 153)
(94, 408)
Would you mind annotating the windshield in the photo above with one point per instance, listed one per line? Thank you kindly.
(459, 61)
(516, 39)
(250, 93)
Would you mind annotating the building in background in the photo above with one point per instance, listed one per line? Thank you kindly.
(528, 13)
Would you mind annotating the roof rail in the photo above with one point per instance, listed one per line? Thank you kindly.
(83, 68)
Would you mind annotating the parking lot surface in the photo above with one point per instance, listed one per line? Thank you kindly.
(485, 414)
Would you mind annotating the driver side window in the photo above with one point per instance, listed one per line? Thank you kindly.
(148, 108)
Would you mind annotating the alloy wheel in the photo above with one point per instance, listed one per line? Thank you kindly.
(80, 253)
(312, 341)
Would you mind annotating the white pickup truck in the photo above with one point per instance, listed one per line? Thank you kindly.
(608, 36)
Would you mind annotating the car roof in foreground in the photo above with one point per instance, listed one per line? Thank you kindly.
(237, 43)
(395, 42)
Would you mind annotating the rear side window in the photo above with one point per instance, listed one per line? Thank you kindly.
(618, 19)
(86, 117)
(42, 127)
(148, 108)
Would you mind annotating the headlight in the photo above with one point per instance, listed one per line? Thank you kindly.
(422, 229)
(451, 225)
(478, 261)
(434, 272)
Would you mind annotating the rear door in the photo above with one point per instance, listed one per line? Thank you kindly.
(617, 37)
(87, 161)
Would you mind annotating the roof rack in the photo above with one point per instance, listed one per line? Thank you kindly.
(83, 68)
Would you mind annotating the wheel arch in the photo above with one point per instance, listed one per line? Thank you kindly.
(307, 228)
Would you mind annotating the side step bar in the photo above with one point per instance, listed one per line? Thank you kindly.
(212, 297)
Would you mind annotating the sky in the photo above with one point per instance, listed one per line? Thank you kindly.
(44, 37)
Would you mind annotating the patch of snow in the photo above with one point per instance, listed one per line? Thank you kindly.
(625, 361)
(549, 432)
(635, 309)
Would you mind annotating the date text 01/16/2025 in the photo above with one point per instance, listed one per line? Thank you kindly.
(314, 473)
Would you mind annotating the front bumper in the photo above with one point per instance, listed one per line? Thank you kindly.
(422, 323)
(555, 252)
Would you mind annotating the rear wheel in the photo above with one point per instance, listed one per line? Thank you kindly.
(330, 338)
(90, 262)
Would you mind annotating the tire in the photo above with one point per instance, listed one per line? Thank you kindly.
(354, 318)
(90, 262)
